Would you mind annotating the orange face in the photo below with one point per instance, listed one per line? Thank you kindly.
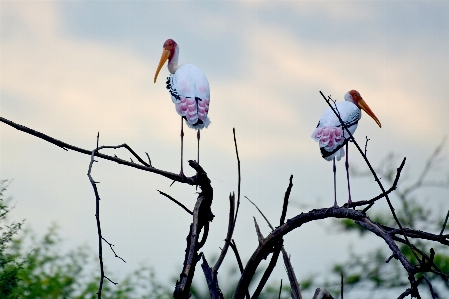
(363, 105)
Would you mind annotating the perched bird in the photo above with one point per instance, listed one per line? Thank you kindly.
(189, 90)
(332, 136)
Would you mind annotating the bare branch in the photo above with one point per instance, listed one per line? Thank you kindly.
(432, 292)
(239, 175)
(342, 272)
(280, 290)
(66, 146)
(231, 226)
(175, 201)
(284, 206)
(268, 222)
(444, 223)
(294, 285)
(269, 270)
(322, 294)
(259, 234)
(239, 261)
(211, 279)
(110, 245)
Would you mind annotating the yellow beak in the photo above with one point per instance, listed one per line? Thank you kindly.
(363, 105)
(164, 57)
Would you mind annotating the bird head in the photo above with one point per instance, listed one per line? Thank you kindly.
(168, 52)
(355, 97)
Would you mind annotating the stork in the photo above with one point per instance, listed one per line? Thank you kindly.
(332, 137)
(189, 91)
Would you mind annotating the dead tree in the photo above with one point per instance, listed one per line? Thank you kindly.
(272, 244)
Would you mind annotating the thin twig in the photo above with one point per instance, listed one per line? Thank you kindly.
(177, 202)
(239, 261)
(341, 274)
(228, 235)
(294, 285)
(268, 270)
(366, 143)
(239, 177)
(110, 245)
(432, 292)
(280, 290)
(286, 197)
(444, 224)
(268, 222)
(259, 234)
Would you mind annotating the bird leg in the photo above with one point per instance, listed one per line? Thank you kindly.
(347, 175)
(335, 184)
(182, 145)
(198, 137)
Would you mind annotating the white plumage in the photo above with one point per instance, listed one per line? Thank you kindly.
(331, 134)
(189, 90)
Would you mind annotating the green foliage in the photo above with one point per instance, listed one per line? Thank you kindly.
(32, 267)
(8, 266)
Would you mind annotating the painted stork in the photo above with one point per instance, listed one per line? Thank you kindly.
(332, 136)
(189, 91)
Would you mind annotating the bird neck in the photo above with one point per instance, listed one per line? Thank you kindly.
(173, 61)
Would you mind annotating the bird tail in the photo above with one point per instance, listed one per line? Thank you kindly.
(331, 141)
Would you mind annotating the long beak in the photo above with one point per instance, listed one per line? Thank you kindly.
(164, 57)
(363, 105)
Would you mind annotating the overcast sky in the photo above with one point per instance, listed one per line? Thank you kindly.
(71, 69)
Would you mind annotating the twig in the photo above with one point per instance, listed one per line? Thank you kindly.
(259, 234)
(111, 280)
(177, 202)
(239, 177)
(322, 294)
(110, 245)
(373, 200)
(149, 160)
(284, 206)
(444, 223)
(294, 285)
(432, 292)
(341, 273)
(366, 143)
(231, 224)
(97, 217)
(268, 222)
(211, 279)
(280, 290)
(239, 261)
(268, 270)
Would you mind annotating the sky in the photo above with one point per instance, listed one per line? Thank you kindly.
(70, 69)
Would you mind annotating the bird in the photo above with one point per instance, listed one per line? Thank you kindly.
(332, 137)
(189, 91)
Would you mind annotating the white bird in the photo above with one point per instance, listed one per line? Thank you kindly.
(332, 136)
(189, 90)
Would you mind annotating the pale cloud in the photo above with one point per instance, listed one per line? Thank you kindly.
(92, 85)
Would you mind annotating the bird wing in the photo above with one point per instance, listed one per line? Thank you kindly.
(329, 132)
(189, 90)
